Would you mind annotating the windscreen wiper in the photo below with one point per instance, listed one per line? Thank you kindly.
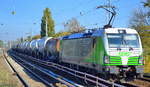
(118, 48)
(130, 48)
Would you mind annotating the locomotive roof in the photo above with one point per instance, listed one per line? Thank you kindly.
(116, 30)
(85, 34)
(100, 32)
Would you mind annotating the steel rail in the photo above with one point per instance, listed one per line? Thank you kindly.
(50, 74)
(46, 82)
(25, 84)
(73, 72)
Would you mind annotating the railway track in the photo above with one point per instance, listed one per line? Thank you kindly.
(145, 79)
(24, 83)
(139, 83)
(146, 75)
(142, 82)
(49, 78)
(81, 78)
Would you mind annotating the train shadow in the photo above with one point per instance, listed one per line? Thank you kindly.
(31, 76)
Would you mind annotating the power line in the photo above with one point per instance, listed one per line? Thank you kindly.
(109, 8)
(78, 6)
(78, 16)
(81, 13)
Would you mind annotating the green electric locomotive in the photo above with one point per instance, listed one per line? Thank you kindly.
(109, 52)
(115, 51)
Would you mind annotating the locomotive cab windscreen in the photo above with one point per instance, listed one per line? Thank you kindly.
(123, 47)
(123, 40)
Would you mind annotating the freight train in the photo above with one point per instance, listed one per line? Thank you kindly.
(111, 52)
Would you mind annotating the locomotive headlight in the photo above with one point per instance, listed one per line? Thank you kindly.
(106, 59)
(140, 60)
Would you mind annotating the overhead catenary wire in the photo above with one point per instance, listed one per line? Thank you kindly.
(78, 16)
(81, 13)
(77, 7)
(109, 8)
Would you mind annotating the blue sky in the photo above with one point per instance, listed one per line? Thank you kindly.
(29, 12)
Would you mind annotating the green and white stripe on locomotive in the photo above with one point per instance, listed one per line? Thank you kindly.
(128, 52)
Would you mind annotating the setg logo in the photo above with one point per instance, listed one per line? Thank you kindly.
(124, 53)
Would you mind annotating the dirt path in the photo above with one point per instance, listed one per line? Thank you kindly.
(31, 80)
(7, 77)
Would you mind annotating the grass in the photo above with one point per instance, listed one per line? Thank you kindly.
(147, 64)
(7, 79)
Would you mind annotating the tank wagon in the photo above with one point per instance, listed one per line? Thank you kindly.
(34, 48)
(111, 51)
(52, 47)
(41, 47)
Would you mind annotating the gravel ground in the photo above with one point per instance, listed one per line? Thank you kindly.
(7, 77)
(31, 80)
(140, 83)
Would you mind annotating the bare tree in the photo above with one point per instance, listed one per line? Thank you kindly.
(139, 18)
(73, 26)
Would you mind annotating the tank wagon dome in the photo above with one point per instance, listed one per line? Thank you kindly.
(42, 43)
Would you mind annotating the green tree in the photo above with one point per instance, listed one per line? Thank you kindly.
(28, 38)
(147, 3)
(48, 22)
(36, 37)
(1, 43)
(147, 8)
(139, 22)
(61, 33)
(139, 18)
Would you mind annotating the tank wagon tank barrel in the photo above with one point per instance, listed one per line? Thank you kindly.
(41, 46)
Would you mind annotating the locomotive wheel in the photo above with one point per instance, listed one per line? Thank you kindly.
(113, 77)
(105, 76)
(130, 74)
(139, 75)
